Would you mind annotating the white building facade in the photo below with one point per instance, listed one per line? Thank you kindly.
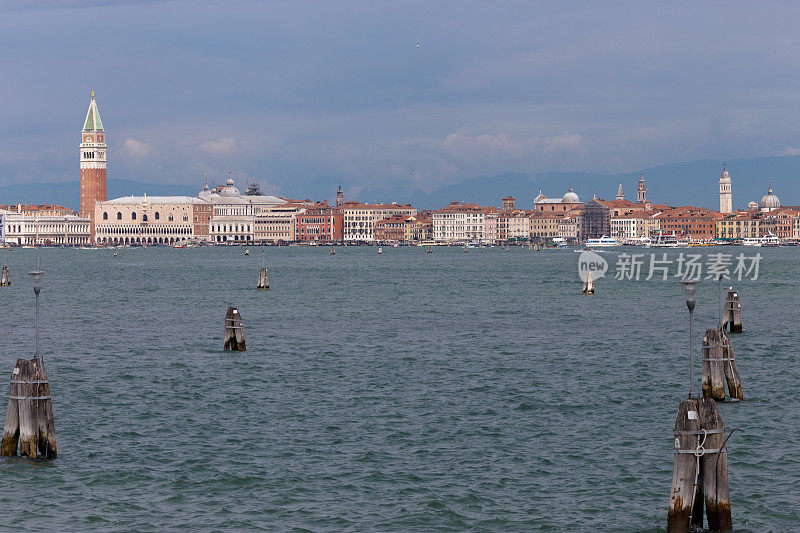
(359, 219)
(45, 230)
(145, 219)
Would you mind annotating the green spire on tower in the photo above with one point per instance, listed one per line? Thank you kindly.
(93, 122)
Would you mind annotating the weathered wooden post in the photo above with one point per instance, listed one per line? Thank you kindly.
(732, 314)
(731, 369)
(683, 501)
(29, 417)
(263, 279)
(234, 336)
(5, 280)
(700, 474)
(719, 367)
(713, 374)
(715, 469)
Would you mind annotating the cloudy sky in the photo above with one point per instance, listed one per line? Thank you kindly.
(303, 94)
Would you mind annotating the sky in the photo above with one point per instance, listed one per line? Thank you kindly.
(305, 95)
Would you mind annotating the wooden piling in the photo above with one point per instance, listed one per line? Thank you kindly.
(732, 313)
(48, 448)
(5, 278)
(28, 421)
(684, 472)
(715, 469)
(731, 369)
(234, 335)
(11, 427)
(719, 367)
(263, 279)
(713, 359)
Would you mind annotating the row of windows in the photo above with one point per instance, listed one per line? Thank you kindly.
(156, 216)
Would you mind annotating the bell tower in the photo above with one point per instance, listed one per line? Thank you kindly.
(641, 191)
(93, 163)
(725, 191)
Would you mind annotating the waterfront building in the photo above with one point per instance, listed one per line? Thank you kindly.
(48, 210)
(394, 228)
(277, 223)
(697, 223)
(46, 226)
(509, 203)
(739, 225)
(568, 225)
(569, 201)
(725, 192)
(514, 225)
(233, 217)
(421, 227)
(459, 222)
(490, 227)
(634, 225)
(150, 220)
(320, 224)
(360, 219)
(93, 157)
(544, 226)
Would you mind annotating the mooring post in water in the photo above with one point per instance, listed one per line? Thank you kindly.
(700, 473)
(234, 336)
(719, 367)
(684, 470)
(29, 417)
(715, 469)
(5, 280)
(732, 314)
(263, 279)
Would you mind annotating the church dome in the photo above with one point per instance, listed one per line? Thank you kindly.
(770, 202)
(229, 190)
(570, 197)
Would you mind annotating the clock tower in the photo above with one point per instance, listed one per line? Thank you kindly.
(93, 163)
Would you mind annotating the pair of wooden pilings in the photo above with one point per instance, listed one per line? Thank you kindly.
(263, 279)
(234, 334)
(29, 417)
(700, 474)
(719, 367)
(5, 279)
(732, 312)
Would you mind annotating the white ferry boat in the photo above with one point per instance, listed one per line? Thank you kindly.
(604, 241)
(663, 239)
(764, 240)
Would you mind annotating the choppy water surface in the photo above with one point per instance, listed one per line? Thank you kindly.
(396, 392)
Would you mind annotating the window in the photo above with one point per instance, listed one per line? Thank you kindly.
(119, 215)
(133, 215)
(157, 215)
(144, 217)
(105, 216)
(185, 217)
(170, 218)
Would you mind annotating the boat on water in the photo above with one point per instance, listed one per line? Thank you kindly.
(765, 240)
(5, 246)
(604, 241)
(380, 250)
(663, 239)
(247, 251)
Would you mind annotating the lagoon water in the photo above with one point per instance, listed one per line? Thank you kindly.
(396, 392)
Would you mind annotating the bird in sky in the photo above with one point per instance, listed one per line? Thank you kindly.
(419, 43)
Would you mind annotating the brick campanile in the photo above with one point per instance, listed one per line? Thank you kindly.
(93, 163)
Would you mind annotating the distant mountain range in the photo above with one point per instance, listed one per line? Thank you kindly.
(692, 183)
